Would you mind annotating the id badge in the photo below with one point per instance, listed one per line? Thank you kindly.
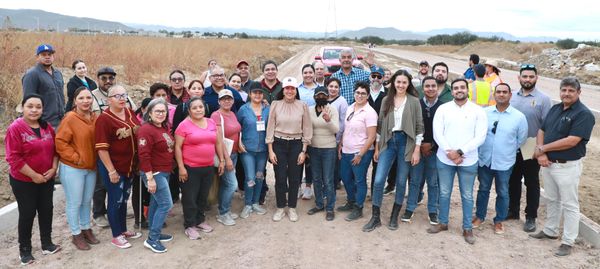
(260, 125)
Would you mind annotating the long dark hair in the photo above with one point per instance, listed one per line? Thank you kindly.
(389, 101)
(42, 123)
(279, 95)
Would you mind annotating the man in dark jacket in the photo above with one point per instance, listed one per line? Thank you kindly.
(45, 80)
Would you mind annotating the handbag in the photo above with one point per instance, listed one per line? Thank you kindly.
(228, 143)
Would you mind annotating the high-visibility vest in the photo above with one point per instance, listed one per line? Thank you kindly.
(480, 93)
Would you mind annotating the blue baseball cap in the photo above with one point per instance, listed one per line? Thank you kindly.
(44, 47)
(377, 69)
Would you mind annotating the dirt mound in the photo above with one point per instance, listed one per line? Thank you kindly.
(583, 62)
(503, 50)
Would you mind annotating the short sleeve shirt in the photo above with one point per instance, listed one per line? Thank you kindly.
(356, 124)
(198, 147)
(577, 120)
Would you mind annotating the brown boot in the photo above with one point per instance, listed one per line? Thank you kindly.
(469, 237)
(80, 243)
(89, 237)
(437, 228)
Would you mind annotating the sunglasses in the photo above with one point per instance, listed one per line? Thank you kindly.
(495, 127)
(120, 96)
(176, 79)
(528, 66)
(109, 78)
(377, 76)
(350, 116)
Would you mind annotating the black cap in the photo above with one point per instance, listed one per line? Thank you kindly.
(106, 70)
(321, 89)
(424, 63)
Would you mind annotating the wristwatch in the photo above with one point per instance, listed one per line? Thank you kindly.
(460, 152)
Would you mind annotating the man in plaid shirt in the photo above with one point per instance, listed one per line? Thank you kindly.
(349, 75)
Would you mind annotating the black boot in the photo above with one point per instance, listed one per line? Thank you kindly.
(394, 217)
(375, 220)
(357, 212)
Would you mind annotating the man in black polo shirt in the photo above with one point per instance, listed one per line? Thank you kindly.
(561, 144)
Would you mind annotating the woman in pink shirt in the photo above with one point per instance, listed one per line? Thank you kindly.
(356, 150)
(197, 140)
(226, 119)
(33, 162)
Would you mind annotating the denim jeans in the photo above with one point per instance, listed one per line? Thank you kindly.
(160, 203)
(426, 171)
(485, 176)
(118, 193)
(466, 180)
(227, 187)
(394, 152)
(254, 168)
(79, 188)
(323, 166)
(288, 173)
(355, 177)
(99, 198)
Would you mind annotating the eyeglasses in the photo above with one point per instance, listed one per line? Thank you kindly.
(120, 96)
(159, 112)
(109, 78)
(360, 93)
(495, 126)
(176, 79)
(376, 76)
(217, 75)
(350, 116)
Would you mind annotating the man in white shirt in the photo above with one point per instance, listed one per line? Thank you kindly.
(459, 128)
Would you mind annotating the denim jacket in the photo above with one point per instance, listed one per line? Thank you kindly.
(253, 140)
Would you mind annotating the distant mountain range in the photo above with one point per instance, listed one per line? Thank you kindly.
(32, 19)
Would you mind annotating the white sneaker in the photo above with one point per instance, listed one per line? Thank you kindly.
(278, 214)
(307, 193)
(246, 212)
(101, 221)
(258, 209)
(233, 215)
(226, 220)
(293, 215)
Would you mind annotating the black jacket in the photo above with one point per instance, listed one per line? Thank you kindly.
(376, 104)
(73, 84)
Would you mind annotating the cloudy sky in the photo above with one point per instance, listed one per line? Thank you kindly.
(579, 19)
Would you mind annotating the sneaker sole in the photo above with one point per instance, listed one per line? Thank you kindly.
(153, 249)
(260, 212)
(47, 252)
(205, 230)
(121, 247)
(405, 220)
(279, 219)
(136, 236)
(192, 238)
(226, 224)
(27, 263)
(434, 222)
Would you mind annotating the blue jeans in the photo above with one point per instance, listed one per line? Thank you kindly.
(486, 176)
(355, 177)
(466, 180)
(254, 168)
(227, 187)
(118, 194)
(160, 203)
(396, 147)
(426, 172)
(79, 188)
(323, 166)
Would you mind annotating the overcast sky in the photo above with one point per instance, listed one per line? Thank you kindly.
(579, 19)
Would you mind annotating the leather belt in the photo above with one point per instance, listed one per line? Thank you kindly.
(558, 161)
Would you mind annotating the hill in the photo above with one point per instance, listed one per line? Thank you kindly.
(32, 19)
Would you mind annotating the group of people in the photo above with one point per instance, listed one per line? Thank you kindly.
(328, 131)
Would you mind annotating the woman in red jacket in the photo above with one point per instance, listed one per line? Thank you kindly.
(155, 151)
(33, 163)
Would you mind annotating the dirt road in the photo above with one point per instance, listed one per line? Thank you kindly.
(312, 242)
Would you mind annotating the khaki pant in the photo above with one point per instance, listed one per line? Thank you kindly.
(561, 182)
